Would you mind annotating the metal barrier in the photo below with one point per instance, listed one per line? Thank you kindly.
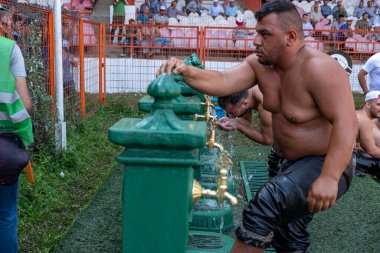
(83, 55)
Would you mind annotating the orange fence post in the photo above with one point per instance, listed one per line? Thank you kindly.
(81, 70)
(104, 63)
(101, 64)
(202, 42)
(51, 54)
(29, 173)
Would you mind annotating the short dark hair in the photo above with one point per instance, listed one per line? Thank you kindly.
(232, 99)
(286, 11)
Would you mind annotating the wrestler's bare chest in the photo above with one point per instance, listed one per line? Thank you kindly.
(287, 95)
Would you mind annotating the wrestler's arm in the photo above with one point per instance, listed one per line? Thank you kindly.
(330, 89)
(214, 83)
(366, 139)
(263, 134)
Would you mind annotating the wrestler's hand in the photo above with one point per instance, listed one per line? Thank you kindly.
(168, 66)
(227, 124)
(322, 194)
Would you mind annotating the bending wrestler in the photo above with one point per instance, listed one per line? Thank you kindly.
(239, 107)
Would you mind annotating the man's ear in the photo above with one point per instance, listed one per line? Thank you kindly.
(245, 102)
(291, 37)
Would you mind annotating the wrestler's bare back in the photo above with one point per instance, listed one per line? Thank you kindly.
(299, 128)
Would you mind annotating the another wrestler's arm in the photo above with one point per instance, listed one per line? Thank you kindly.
(214, 83)
(330, 89)
(366, 139)
(263, 134)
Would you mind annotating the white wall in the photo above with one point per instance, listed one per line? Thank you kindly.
(125, 75)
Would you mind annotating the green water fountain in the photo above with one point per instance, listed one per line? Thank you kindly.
(158, 189)
(188, 103)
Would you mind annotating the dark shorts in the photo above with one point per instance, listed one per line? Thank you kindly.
(278, 215)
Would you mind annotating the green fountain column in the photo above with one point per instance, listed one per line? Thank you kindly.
(189, 102)
(160, 151)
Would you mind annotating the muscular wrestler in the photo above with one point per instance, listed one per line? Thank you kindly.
(314, 127)
(368, 154)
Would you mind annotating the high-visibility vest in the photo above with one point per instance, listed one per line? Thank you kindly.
(13, 115)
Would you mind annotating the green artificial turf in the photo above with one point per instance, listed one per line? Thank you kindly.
(352, 225)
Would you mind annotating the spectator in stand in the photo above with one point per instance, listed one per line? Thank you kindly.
(149, 34)
(336, 7)
(337, 35)
(216, 9)
(323, 29)
(326, 9)
(118, 17)
(225, 4)
(195, 6)
(156, 6)
(308, 29)
(362, 25)
(376, 32)
(181, 5)
(359, 10)
(315, 14)
(371, 67)
(371, 12)
(375, 4)
(368, 139)
(148, 4)
(346, 28)
(161, 18)
(172, 11)
(132, 35)
(231, 9)
(376, 19)
(340, 12)
(144, 16)
(238, 32)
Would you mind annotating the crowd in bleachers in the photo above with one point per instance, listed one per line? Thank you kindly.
(355, 25)
(351, 24)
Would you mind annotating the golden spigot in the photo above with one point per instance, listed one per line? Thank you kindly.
(211, 142)
(207, 115)
(221, 193)
(199, 191)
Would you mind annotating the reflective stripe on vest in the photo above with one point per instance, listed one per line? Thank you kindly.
(13, 114)
(8, 98)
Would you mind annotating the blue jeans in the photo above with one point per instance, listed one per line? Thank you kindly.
(8, 218)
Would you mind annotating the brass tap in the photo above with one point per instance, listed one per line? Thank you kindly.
(221, 192)
(211, 142)
(207, 115)
(199, 191)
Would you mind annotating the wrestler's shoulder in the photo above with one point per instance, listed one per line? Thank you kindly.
(317, 62)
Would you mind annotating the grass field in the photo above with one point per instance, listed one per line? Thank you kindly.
(81, 211)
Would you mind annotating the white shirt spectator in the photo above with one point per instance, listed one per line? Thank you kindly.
(216, 10)
(307, 27)
(372, 67)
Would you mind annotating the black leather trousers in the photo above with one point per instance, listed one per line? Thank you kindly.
(278, 215)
